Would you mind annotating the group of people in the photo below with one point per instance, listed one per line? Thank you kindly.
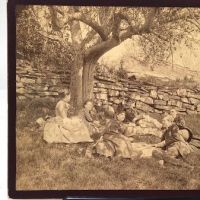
(110, 132)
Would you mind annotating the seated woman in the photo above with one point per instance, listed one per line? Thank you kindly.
(113, 142)
(175, 143)
(87, 115)
(62, 129)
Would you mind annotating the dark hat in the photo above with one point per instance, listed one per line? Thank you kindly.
(120, 109)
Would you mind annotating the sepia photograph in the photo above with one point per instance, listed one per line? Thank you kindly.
(107, 98)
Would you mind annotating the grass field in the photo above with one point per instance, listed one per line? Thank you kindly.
(42, 166)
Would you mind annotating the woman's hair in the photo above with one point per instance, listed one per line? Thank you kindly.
(64, 92)
(87, 101)
(120, 109)
(109, 112)
(179, 121)
(129, 115)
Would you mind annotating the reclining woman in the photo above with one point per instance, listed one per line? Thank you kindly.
(175, 144)
(62, 129)
(113, 143)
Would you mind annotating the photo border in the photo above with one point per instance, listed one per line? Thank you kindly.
(13, 193)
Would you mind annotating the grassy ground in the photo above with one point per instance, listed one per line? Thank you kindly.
(42, 166)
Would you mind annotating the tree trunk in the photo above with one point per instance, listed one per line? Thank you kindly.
(77, 68)
(76, 82)
(88, 79)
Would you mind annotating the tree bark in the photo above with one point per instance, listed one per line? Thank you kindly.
(76, 81)
(77, 68)
(88, 79)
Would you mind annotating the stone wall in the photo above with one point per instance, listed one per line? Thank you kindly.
(146, 97)
(34, 83)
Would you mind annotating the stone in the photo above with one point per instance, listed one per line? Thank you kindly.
(194, 101)
(173, 102)
(39, 80)
(163, 97)
(21, 97)
(30, 96)
(132, 105)
(102, 96)
(17, 78)
(45, 88)
(160, 102)
(191, 112)
(180, 109)
(27, 80)
(122, 93)
(175, 97)
(162, 107)
(20, 91)
(153, 94)
(50, 93)
(19, 85)
(142, 106)
(196, 96)
(181, 92)
(160, 96)
(117, 101)
(158, 111)
(113, 93)
(148, 100)
(188, 106)
(185, 100)
(135, 96)
(198, 107)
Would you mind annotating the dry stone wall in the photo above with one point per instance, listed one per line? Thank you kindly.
(146, 97)
(33, 83)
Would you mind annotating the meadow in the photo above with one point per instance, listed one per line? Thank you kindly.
(42, 166)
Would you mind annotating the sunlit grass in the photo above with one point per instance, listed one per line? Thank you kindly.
(42, 166)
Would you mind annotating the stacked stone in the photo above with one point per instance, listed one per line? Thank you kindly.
(146, 97)
(33, 83)
(108, 89)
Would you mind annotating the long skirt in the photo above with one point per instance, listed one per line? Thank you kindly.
(69, 130)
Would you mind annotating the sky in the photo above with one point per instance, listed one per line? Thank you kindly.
(183, 56)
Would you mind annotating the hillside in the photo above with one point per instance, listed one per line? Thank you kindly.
(186, 61)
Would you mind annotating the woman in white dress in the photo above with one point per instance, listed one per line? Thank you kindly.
(62, 129)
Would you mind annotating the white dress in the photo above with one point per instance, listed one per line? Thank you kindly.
(66, 130)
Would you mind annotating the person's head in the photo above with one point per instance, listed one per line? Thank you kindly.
(109, 112)
(129, 115)
(120, 116)
(88, 105)
(179, 121)
(120, 113)
(65, 94)
(165, 123)
(173, 112)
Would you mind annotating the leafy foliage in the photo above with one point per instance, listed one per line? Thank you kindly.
(33, 46)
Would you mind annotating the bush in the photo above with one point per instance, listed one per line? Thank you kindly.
(122, 73)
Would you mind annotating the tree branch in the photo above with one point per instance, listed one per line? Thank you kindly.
(88, 21)
(90, 35)
(45, 34)
(99, 49)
